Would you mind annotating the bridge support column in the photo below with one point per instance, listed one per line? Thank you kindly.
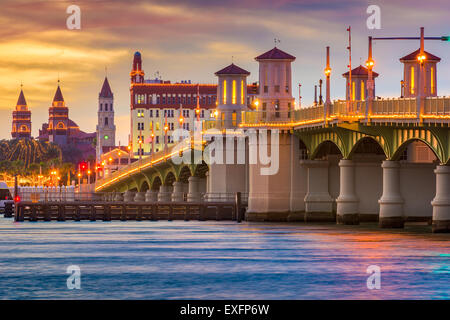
(347, 202)
(164, 194)
(441, 202)
(128, 196)
(318, 202)
(391, 201)
(193, 194)
(151, 196)
(139, 197)
(178, 191)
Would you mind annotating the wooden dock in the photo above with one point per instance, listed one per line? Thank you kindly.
(137, 211)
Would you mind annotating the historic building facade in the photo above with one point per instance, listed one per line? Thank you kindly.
(61, 130)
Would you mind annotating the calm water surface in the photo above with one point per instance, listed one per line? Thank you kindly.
(219, 260)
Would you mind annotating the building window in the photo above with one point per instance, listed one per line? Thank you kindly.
(233, 96)
(101, 106)
(140, 113)
(151, 113)
(157, 113)
(353, 91)
(277, 88)
(106, 121)
(157, 141)
(362, 91)
(140, 126)
(287, 89)
(266, 89)
(202, 114)
(404, 155)
(433, 89)
(157, 126)
(242, 92)
(171, 126)
(158, 99)
(140, 99)
(224, 89)
(233, 118)
(164, 100)
(412, 87)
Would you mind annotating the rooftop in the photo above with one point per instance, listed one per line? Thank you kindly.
(275, 54)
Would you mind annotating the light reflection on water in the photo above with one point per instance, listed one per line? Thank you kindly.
(219, 260)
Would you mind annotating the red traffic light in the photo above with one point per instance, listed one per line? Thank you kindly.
(83, 166)
(17, 199)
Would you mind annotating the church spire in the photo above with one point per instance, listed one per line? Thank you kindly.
(106, 90)
(58, 95)
(21, 101)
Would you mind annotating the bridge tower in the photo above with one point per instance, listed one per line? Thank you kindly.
(275, 81)
(232, 95)
(360, 77)
(411, 80)
(228, 174)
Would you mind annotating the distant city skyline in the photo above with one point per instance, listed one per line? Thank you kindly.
(192, 40)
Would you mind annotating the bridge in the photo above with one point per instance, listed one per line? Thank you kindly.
(345, 161)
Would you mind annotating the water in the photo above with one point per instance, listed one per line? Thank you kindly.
(220, 260)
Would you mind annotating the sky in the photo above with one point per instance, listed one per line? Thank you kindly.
(192, 39)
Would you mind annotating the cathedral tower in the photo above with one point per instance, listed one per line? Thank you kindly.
(21, 125)
(106, 129)
(58, 121)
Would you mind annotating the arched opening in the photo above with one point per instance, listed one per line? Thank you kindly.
(170, 179)
(415, 151)
(201, 170)
(144, 186)
(417, 178)
(156, 184)
(303, 150)
(367, 147)
(185, 173)
(325, 149)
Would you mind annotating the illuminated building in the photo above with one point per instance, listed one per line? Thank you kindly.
(156, 103)
(21, 125)
(61, 130)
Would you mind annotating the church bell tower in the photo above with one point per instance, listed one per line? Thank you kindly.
(106, 129)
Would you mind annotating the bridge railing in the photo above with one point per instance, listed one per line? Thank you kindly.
(267, 116)
(395, 106)
(145, 161)
(437, 106)
(342, 108)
